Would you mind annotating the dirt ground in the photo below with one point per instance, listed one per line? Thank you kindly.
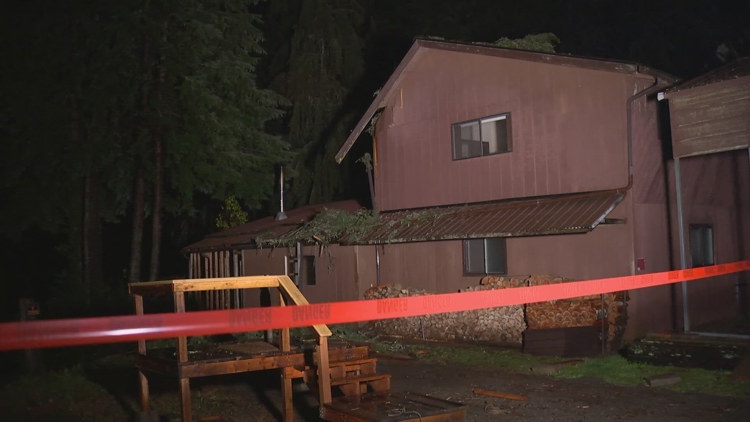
(554, 399)
(255, 397)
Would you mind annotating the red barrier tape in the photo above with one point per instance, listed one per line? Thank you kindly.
(69, 332)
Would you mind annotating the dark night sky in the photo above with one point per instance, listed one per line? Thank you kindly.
(680, 37)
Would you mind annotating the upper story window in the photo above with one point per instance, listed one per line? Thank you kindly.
(486, 136)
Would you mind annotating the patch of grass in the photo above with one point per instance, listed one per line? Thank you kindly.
(510, 359)
(59, 394)
(613, 369)
(617, 370)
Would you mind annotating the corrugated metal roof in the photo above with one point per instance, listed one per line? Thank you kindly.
(574, 213)
(561, 214)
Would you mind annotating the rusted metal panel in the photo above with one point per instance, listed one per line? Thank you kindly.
(577, 213)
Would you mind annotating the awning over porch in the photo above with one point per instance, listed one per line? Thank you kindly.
(562, 214)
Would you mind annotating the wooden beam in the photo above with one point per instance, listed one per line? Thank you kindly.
(203, 284)
(287, 405)
(287, 286)
(499, 395)
(324, 372)
(142, 380)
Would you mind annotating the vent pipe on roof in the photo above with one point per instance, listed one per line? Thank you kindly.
(281, 215)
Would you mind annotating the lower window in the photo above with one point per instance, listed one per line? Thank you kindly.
(308, 270)
(702, 245)
(485, 256)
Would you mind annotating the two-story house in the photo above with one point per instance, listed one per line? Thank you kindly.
(490, 160)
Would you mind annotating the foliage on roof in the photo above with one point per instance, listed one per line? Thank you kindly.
(328, 226)
(544, 42)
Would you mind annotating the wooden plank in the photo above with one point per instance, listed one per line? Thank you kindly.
(154, 365)
(236, 365)
(142, 380)
(179, 307)
(195, 369)
(287, 405)
(187, 411)
(497, 394)
(203, 284)
(324, 371)
(287, 286)
(361, 378)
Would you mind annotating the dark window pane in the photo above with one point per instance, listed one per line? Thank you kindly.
(495, 255)
(474, 256)
(476, 138)
(308, 270)
(701, 245)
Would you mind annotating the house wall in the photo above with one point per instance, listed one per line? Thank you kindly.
(715, 191)
(438, 266)
(712, 117)
(650, 309)
(336, 272)
(568, 130)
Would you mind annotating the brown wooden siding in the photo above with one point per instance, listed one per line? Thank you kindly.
(569, 132)
(716, 191)
(711, 118)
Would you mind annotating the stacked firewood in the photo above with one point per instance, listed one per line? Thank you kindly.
(582, 311)
(504, 325)
(413, 327)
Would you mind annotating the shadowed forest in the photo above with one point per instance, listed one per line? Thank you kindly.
(130, 129)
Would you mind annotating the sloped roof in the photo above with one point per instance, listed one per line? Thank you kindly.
(244, 236)
(421, 45)
(734, 70)
(561, 214)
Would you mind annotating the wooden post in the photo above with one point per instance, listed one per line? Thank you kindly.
(324, 371)
(287, 399)
(285, 344)
(142, 380)
(182, 356)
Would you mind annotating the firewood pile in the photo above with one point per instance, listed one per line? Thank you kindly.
(578, 312)
(502, 325)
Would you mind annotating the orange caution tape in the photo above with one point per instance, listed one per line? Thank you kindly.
(70, 332)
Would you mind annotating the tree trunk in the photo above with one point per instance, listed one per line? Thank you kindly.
(136, 245)
(156, 215)
(158, 165)
(139, 189)
(91, 238)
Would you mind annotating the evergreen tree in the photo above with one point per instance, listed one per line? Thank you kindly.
(129, 107)
(316, 64)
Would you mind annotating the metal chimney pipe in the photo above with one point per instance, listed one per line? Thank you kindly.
(281, 215)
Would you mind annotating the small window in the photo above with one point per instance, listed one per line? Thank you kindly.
(477, 138)
(485, 256)
(308, 270)
(702, 245)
